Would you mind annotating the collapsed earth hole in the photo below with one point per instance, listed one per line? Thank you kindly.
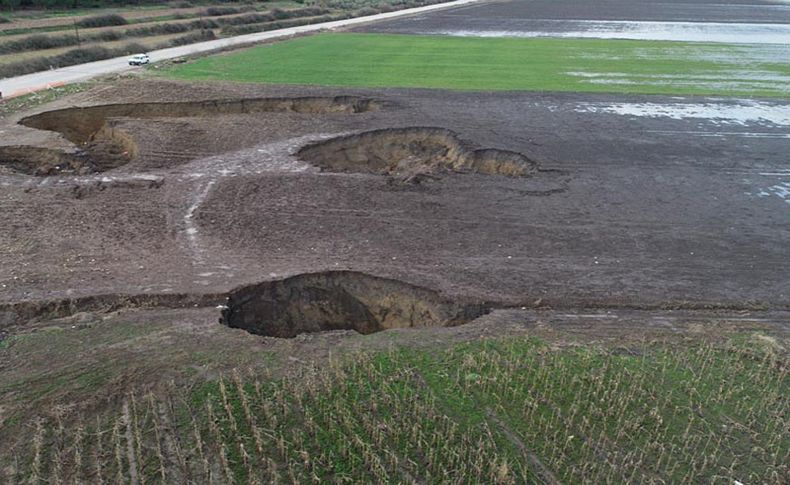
(340, 300)
(43, 161)
(412, 152)
(103, 146)
(108, 148)
(80, 125)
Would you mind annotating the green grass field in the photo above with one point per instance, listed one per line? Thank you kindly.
(490, 411)
(464, 63)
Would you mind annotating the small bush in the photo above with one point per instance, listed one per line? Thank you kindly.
(107, 36)
(219, 11)
(4, 20)
(199, 36)
(281, 14)
(102, 21)
(252, 18)
(37, 42)
(204, 24)
(157, 29)
(363, 12)
(278, 24)
(383, 7)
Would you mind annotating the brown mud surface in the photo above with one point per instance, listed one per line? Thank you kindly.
(279, 210)
(550, 15)
(228, 185)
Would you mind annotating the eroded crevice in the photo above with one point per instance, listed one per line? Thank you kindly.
(21, 312)
(413, 153)
(44, 161)
(102, 146)
(109, 148)
(341, 300)
(79, 125)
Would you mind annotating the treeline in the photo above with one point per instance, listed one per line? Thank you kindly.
(10, 5)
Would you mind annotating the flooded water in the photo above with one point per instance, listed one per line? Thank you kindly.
(731, 33)
(737, 112)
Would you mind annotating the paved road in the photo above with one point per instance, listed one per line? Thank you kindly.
(17, 86)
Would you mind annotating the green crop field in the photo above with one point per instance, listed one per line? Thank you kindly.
(465, 63)
(490, 411)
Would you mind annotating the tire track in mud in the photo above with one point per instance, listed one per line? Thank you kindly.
(276, 157)
(190, 228)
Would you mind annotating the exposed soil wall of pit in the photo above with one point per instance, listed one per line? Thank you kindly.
(44, 161)
(22, 312)
(79, 125)
(340, 300)
(105, 146)
(412, 151)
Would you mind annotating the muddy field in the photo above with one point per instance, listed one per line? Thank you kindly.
(163, 234)
(502, 199)
(551, 16)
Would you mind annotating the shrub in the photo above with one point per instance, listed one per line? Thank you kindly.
(4, 20)
(107, 36)
(278, 24)
(204, 24)
(219, 11)
(157, 29)
(102, 21)
(191, 38)
(37, 42)
(365, 11)
(252, 18)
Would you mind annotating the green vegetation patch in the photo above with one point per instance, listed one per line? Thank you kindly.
(517, 411)
(543, 64)
(28, 101)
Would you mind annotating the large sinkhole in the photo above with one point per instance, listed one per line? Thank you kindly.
(80, 125)
(412, 151)
(341, 300)
(102, 146)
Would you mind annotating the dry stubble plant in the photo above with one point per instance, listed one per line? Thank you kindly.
(484, 412)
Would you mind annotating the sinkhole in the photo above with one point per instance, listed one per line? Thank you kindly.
(341, 300)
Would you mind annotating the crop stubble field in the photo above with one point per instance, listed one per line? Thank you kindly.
(599, 277)
(516, 411)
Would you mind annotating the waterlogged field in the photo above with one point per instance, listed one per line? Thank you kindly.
(536, 64)
(489, 411)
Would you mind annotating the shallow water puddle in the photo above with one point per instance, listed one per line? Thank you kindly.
(736, 33)
(781, 190)
(739, 112)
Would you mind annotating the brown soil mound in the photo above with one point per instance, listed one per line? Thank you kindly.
(411, 152)
(340, 300)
